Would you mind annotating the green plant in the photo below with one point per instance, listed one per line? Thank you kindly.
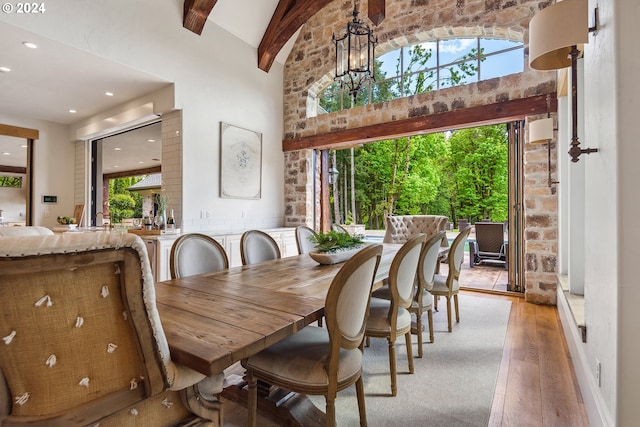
(334, 241)
(162, 200)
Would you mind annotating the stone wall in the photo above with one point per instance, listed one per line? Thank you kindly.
(310, 66)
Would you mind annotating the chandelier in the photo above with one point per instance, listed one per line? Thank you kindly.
(355, 53)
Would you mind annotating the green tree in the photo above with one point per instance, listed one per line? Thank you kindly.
(121, 206)
(477, 170)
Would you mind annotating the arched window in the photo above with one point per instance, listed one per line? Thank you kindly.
(430, 66)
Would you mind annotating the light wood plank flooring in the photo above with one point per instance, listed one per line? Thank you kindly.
(536, 385)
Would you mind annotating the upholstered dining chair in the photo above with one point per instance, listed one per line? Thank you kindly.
(448, 286)
(422, 299)
(319, 361)
(83, 344)
(302, 239)
(257, 246)
(196, 253)
(390, 318)
(29, 230)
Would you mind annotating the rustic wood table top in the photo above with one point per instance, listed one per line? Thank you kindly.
(214, 320)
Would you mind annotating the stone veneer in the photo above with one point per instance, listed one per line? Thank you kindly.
(310, 66)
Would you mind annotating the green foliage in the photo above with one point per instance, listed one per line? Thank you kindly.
(461, 174)
(119, 186)
(10, 181)
(121, 206)
(335, 240)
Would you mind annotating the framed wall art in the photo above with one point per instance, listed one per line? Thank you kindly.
(240, 162)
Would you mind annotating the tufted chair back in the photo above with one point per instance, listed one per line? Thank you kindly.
(30, 230)
(401, 227)
(82, 339)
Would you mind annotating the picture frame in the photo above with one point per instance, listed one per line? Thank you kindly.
(240, 162)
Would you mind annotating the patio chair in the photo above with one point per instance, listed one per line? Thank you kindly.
(489, 244)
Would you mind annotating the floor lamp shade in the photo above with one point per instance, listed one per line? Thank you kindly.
(541, 130)
(554, 30)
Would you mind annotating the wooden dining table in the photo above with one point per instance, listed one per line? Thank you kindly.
(213, 320)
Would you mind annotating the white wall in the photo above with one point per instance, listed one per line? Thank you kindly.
(612, 208)
(216, 79)
(53, 148)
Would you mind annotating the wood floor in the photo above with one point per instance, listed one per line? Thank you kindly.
(536, 385)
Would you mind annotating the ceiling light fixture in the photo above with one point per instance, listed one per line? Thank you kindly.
(554, 36)
(5, 69)
(30, 45)
(72, 111)
(109, 93)
(355, 55)
(117, 148)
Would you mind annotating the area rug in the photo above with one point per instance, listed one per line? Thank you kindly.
(454, 382)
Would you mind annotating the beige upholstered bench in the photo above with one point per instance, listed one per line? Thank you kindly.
(401, 227)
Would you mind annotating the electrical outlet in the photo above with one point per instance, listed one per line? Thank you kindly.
(598, 372)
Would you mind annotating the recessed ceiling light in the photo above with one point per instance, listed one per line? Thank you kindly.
(6, 154)
(117, 148)
(23, 146)
(5, 69)
(116, 166)
(109, 93)
(140, 162)
(151, 140)
(72, 111)
(30, 45)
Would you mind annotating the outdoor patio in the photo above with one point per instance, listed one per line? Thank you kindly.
(484, 276)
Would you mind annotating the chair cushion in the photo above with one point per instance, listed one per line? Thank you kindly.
(378, 311)
(427, 301)
(301, 358)
(440, 285)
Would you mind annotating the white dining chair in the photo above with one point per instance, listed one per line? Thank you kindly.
(422, 299)
(303, 233)
(257, 246)
(323, 361)
(196, 253)
(390, 318)
(448, 286)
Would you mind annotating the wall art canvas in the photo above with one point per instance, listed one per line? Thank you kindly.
(240, 162)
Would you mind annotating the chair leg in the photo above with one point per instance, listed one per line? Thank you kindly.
(430, 319)
(330, 410)
(252, 398)
(407, 338)
(419, 331)
(455, 303)
(449, 312)
(361, 407)
(392, 367)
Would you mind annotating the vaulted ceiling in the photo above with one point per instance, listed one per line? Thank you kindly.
(287, 18)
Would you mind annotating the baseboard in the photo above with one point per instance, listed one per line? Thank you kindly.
(595, 407)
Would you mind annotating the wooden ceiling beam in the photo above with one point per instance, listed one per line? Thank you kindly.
(376, 11)
(196, 13)
(496, 113)
(288, 17)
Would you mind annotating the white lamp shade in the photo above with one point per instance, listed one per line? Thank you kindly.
(554, 30)
(541, 130)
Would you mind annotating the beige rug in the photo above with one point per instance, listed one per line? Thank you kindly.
(453, 384)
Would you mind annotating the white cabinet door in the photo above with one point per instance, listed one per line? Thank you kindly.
(232, 246)
(163, 256)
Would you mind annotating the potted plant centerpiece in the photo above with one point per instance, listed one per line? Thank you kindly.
(335, 246)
